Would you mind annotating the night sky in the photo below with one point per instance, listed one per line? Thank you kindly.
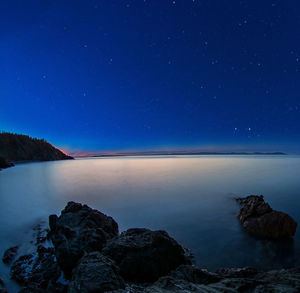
(112, 76)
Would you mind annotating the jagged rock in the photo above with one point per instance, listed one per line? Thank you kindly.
(79, 229)
(194, 275)
(95, 273)
(21, 267)
(41, 233)
(259, 219)
(232, 280)
(10, 254)
(38, 271)
(144, 255)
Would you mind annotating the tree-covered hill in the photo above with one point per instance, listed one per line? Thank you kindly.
(18, 147)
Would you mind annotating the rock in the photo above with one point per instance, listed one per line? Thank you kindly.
(79, 229)
(170, 284)
(253, 206)
(237, 272)
(259, 219)
(144, 255)
(231, 280)
(194, 275)
(95, 273)
(10, 254)
(21, 267)
(40, 233)
(38, 271)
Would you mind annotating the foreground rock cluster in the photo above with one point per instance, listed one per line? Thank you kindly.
(259, 219)
(89, 255)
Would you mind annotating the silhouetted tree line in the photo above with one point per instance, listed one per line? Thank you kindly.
(20, 147)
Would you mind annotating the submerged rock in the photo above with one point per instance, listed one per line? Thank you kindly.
(144, 255)
(95, 273)
(258, 218)
(77, 230)
(10, 254)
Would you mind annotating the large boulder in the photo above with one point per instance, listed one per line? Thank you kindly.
(95, 273)
(259, 219)
(77, 230)
(144, 255)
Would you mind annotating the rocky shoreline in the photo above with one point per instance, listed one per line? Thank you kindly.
(84, 252)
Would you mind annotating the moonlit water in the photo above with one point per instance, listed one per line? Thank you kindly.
(192, 197)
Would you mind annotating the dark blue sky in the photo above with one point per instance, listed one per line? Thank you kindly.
(155, 74)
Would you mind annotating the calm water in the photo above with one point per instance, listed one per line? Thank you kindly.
(189, 196)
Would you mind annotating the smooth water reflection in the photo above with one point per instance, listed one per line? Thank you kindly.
(189, 196)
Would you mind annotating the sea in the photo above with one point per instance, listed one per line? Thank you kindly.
(191, 197)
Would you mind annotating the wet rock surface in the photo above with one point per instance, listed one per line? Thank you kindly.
(38, 271)
(259, 219)
(136, 261)
(77, 230)
(144, 255)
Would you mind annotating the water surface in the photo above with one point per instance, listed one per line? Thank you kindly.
(192, 197)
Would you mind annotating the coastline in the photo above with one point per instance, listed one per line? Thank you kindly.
(183, 154)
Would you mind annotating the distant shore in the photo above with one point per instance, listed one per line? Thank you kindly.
(183, 154)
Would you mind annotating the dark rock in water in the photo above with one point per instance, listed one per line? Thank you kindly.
(144, 255)
(260, 220)
(95, 273)
(79, 229)
(21, 267)
(10, 254)
(253, 206)
(5, 164)
(37, 271)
